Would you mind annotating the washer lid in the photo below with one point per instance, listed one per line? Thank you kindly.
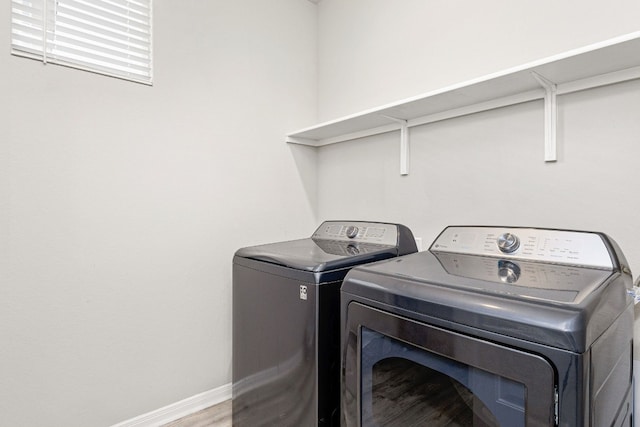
(318, 255)
(335, 245)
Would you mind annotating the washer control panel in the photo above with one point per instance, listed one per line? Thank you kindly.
(363, 232)
(533, 244)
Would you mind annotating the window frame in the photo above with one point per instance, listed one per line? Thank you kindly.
(108, 37)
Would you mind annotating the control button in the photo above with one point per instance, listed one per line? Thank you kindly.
(508, 243)
(508, 272)
(352, 231)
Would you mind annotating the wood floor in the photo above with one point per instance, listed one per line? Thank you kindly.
(218, 416)
(391, 380)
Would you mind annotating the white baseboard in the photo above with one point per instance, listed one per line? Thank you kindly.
(179, 409)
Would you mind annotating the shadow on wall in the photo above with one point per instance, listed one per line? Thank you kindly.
(306, 160)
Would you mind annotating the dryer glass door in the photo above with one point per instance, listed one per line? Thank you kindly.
(401, 372)
(404, 385)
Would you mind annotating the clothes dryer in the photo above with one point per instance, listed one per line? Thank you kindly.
(492, 326)
(286, 321)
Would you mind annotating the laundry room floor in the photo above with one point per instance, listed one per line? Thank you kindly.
(215, 416)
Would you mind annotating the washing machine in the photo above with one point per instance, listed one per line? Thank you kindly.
(492, 326)
(286, 321)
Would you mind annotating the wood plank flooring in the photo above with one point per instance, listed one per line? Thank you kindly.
(394, 379)
(215, 416)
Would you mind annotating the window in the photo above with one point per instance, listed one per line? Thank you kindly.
(111, 37)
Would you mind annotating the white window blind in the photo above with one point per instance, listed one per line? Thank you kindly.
(111, 37)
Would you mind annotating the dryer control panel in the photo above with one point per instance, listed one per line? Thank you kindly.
(576, 248)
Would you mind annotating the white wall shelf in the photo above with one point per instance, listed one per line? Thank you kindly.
(611, 61)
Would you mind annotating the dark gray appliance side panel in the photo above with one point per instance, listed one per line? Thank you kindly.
(611, 371)
(291, 273)
(274, 348)
(274, 269)
(406, 241)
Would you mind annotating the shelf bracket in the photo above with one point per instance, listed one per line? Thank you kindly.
(550, 117)
(404, 144)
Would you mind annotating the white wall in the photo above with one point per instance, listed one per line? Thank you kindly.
(486, 168)
(372, 52)
(121, 206)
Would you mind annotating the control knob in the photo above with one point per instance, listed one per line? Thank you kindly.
(352, 231)
(508, 243)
